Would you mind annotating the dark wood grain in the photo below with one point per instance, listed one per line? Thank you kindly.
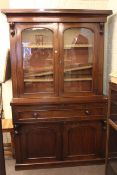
(49, 15)
(53, 124)
(83, 147)
(111, 142)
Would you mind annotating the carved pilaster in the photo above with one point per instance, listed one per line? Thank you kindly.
(101, 28)
(12, 29)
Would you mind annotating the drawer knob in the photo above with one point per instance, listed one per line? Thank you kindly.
(87, 112)
(35, 114)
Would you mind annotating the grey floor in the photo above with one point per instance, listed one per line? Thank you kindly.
(79, 170)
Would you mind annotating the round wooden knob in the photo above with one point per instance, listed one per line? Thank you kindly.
(35, 115)
(87, 112)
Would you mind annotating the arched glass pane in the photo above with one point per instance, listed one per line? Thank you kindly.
(78, 59)
(37, 48)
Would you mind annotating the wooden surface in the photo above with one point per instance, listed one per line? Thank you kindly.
(51, 15)
(113, 124)
(7, 127)
(59, 11)
(57, 123)
(111, 144)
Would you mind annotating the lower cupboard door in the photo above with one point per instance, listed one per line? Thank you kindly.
(82, 140)
(38, 143)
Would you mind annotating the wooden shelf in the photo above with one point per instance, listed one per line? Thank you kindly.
(78, 68)
(51, 80)
(113, 124)
(38, 80)
(44, 46)
(69, 46)
(39, 74)
(51, 72)
(79, 79)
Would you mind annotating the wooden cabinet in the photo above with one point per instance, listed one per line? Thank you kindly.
(111, 148)
(61, 133)
(57, 76)
(57, 142)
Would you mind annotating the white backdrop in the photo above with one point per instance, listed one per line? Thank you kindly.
(94, 4)
(4, 45)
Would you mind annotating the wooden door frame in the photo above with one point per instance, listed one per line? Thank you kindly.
(96, 87)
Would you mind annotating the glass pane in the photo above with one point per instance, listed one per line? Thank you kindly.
(78, 59)
(37, 55)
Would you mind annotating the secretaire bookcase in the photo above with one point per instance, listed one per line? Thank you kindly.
(59, 110)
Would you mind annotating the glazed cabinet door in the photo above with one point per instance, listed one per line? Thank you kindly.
(82, 140)
(79, 59)
(37, 143)
(37, 52)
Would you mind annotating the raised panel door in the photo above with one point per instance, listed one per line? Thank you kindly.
(82, 140)
(37, 143)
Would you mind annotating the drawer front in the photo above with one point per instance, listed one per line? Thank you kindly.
(67, 112)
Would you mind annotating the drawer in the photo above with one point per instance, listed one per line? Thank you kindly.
(85, 111)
